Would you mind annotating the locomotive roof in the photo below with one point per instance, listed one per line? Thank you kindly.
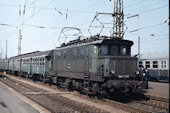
(95, 41)
(32, 54)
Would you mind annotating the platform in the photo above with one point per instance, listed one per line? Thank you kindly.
(11, 103)
(157, 89)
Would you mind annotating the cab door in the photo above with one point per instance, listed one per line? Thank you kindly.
(86, 62)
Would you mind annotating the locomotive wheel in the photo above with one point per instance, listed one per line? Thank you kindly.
(68, 84)
(95, 88)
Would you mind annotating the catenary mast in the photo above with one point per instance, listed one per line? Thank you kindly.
(118, 19)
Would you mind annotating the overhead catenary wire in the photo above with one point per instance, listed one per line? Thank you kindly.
(138, 2)
(38, 26)
(38, 11)
(43, 27)
(144, 6)
(3, 24)
(148, 27)
(69, 17)
(75, 11)
(61, 13)
(153, 9)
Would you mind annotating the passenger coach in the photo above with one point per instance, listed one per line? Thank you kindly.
(35, 65)
(158, 65)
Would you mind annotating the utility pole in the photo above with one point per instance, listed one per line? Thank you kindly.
(139, 45)
(6, 49)
(118, 19)
(19, 42)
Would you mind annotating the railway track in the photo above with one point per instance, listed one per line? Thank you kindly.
(133, 103)
(142, 104)
(53, 102)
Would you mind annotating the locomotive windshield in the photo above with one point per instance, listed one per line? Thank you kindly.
(114, 50)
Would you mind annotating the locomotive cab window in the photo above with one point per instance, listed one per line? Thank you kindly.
(104, 50)
(123, 50)
(114, 50)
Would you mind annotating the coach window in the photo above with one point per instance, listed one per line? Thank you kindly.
(140, 64)
(82, 52)
(69, 53)
(36, 61)
(163, 64)
(28, 61)
(147, 64)
(42, 59)
(32, 61)
(74, 53)
(155, 64)
(59, 54)
(64, 53)
(78, 52)
(39, 61)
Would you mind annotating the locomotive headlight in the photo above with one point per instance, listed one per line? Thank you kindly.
(137, 72)
(112, 72)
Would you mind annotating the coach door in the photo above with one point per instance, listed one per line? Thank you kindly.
(30, 65)
(20, 65)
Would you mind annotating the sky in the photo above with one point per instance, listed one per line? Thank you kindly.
(41, 22)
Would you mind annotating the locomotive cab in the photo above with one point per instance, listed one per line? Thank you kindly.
(116, 65)
(115, 59)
